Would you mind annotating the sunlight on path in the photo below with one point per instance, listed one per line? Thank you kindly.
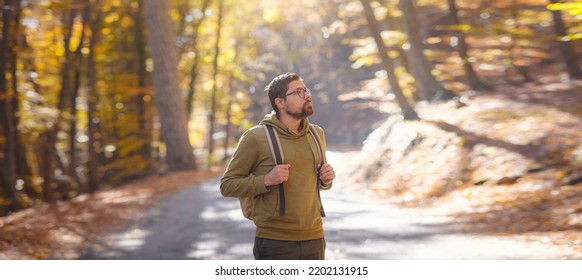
(360, 226)
(198, 223)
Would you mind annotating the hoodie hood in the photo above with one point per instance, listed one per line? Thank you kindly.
(283, 131)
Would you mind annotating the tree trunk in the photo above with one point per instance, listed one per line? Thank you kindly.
(407, 110)
(421, 69)
(520, 67)
(474, 82)
(194, 69)
(395, 24)
(212, 116)
(232, 97)
(228, 119)
(92, 99)
(77, 64)
(143, 116)
(166, 81)
(23, 170)
(64, 105)
(565, 46)
(8, 156)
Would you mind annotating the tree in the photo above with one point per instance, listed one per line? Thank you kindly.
(215, 68)
(194, 70)
(514, 49)
(169, 103)
(9, 157)
(474, 81)
(144, 120)
(425, 81)
(231, 98)
(407, 111)
(565, 45)
(92, 100)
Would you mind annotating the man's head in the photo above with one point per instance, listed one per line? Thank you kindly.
(288, 92)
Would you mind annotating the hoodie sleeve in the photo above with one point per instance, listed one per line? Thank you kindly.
(238, 179)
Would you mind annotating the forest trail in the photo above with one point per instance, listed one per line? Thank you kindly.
(198, 223)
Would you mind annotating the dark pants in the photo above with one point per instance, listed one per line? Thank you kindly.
(269, 249)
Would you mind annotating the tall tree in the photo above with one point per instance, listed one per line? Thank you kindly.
(144, 120)
(394, 24)
(66, 104)
(8, 159)
(23, 170)
(231, 98)
(565, 45)
(474, 81)
(420, 68)
(47, 150)
(516, 63)
(194, 70)
(92, 99)
(172, 113)
(407, 111)
(76, 66)
(212, 113)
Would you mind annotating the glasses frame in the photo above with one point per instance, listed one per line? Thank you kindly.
(301, 92)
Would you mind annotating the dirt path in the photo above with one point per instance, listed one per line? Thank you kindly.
(198, 223)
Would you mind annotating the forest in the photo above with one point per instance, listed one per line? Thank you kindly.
(95, 94)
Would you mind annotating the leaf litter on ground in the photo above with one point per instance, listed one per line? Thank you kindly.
(61, 231)
(506, 163)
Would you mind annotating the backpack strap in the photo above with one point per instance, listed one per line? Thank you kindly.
(275, 146)
(319, 165)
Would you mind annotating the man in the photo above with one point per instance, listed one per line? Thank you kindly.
(252, 172)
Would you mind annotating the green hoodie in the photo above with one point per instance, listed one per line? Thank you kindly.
(252, 160)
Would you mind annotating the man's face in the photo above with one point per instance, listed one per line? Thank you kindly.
(295, 106)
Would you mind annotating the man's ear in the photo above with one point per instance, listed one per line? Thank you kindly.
(280, 103)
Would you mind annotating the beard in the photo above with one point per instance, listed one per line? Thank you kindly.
(306, 111)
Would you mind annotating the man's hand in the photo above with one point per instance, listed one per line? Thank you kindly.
(277, 175)
(326, 174)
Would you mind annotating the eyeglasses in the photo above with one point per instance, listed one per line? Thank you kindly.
(301, 92)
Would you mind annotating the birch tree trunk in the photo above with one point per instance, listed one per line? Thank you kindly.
(171, 109)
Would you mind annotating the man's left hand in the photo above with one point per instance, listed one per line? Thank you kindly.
(326, 174)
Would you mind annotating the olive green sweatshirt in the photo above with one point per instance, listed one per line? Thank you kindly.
(252, 160)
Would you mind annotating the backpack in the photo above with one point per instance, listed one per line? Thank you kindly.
(247, 203)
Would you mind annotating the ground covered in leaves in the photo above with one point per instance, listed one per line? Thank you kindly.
(62, 230)
(507, 163)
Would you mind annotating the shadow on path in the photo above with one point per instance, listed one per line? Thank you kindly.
(198, 223)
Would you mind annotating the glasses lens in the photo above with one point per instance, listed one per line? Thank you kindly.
(301, 92)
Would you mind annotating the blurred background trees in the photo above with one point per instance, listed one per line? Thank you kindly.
(79, 79)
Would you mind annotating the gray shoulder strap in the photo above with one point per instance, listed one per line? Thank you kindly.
(277, 152)
(317, 144)
(274, 144)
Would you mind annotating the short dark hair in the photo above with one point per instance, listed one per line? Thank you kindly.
(279, 86)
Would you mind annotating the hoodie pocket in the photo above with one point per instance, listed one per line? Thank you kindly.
(267, 204)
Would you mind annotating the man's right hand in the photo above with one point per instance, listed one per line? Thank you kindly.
(277, 175)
